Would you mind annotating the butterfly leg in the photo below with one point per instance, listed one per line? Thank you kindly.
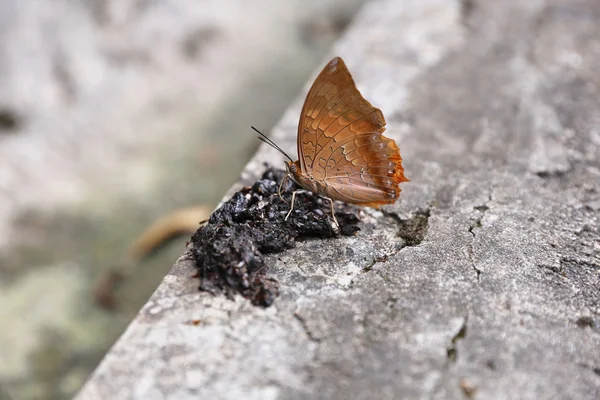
(333, 212)
(281, 186)
(292, 206)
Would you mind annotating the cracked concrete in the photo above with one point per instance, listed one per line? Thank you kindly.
(495, 108)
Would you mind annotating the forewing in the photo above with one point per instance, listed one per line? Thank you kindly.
(334, 111)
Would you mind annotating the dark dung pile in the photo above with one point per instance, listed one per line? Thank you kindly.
(229, 249)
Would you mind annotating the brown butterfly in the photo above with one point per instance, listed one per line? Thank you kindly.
(342, 152)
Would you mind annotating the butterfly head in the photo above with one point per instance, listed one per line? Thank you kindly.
(292, 167)
(293, 170)
(305, 181)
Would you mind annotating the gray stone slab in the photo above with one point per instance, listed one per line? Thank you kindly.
(496, 109)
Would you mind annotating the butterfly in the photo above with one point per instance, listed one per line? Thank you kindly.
(342, 154)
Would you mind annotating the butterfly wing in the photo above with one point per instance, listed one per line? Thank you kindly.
(340, 142)
(333, 103)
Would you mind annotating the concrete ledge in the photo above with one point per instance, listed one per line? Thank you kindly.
(495, 106)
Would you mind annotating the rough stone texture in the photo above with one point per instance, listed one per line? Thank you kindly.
(112, 114)
(496, 108)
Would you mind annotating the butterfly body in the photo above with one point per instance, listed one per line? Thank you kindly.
(342, 152)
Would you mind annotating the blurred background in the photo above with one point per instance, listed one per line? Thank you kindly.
(113, 114)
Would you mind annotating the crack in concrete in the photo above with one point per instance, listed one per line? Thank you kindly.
(310, 368)
(585, 322)
(381, 259)
(477, 225)
(451, 351)
(471, 252)
(451, 354)
(412, 230)
(307, 331)
(595, 370)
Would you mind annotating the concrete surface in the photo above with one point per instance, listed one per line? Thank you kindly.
(496, 109)
(112, 114)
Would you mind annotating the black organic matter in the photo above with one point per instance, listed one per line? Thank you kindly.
(229, 249)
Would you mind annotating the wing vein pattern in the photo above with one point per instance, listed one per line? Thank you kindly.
(341, 144)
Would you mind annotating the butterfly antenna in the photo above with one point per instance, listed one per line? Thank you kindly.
(275, 147)
(271, 143)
